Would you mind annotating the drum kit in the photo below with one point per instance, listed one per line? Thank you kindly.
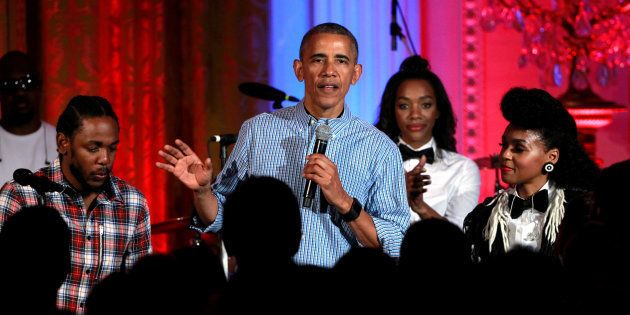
(171, 225)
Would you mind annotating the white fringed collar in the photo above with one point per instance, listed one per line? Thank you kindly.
(500, 216)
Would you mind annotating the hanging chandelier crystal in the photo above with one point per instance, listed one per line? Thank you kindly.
(572, 38)
(560, 36)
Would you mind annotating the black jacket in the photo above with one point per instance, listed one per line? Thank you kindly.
(578, 207)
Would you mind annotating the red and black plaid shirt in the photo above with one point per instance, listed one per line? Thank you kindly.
(111, 237)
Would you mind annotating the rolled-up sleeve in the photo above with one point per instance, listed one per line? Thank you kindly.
(234, 171)
(387, 203)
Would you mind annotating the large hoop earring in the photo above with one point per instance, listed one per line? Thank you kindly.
(548, 168)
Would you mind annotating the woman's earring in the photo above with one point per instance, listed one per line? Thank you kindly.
(548, 168)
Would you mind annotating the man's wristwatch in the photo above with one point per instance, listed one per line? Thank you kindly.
(354, 212)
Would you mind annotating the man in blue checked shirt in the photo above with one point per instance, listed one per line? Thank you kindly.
(361, 200)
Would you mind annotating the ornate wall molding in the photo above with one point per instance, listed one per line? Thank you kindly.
(471, 79)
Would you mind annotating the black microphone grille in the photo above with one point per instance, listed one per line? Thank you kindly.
(225, 138)
(22, 175)
(323, 132)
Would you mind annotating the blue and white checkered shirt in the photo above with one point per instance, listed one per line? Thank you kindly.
(368, 163)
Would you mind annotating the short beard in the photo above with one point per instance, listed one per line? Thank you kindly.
(84, 184)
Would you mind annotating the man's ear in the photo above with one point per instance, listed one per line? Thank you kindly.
(358, 70)
(63, 143)
(297, 68)
(553, 155)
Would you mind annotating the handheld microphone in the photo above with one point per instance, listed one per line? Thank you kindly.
(323, 134)
(226, 139)
(42, 184)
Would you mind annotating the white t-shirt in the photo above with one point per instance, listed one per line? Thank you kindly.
(454, 188)
(30, 151)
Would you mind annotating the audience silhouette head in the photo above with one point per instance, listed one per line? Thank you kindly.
(35, 247)
(261, 208)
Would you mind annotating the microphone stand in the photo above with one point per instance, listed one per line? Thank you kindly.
(227, 265)
(40, 197)
(396, 32)
(223, 153)
(394, 29)
(277, 104)
(497, 182)
(496, 164)
(197, 241)
(41, 193)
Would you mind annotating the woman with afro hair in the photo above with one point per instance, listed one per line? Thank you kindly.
(550, 176)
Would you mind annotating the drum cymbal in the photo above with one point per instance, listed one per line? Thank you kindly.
(491, 161)
(170, 225)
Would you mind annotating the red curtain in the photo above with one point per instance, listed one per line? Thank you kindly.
(170, 69)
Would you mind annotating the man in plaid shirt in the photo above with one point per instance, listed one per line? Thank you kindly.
(108, 218)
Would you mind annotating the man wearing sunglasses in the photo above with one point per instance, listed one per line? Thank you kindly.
(25, 140)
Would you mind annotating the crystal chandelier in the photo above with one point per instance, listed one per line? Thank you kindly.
(570, 38)
(560, 35)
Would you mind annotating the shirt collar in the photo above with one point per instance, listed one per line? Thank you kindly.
(549, 185)
(54, 173)
(430, 144)
(304, 119)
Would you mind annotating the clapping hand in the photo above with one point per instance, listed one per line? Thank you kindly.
(416, 180)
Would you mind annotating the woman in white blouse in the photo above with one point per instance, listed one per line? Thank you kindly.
(416, 113)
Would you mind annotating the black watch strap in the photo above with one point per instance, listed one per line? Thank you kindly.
(354, 212)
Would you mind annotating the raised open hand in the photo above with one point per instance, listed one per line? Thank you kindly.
(184, 163)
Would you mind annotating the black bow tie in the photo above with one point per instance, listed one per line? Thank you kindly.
(407, 153)
(540, 201)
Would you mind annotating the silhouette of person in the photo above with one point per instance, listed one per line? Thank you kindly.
(35, 247)
(609, 195)
(241, 224)
(435, 264)
(111, 295)
(265, 272)
(596, 259)
(523, 280)
(189, 280)
(433, 244)
(368, 269)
